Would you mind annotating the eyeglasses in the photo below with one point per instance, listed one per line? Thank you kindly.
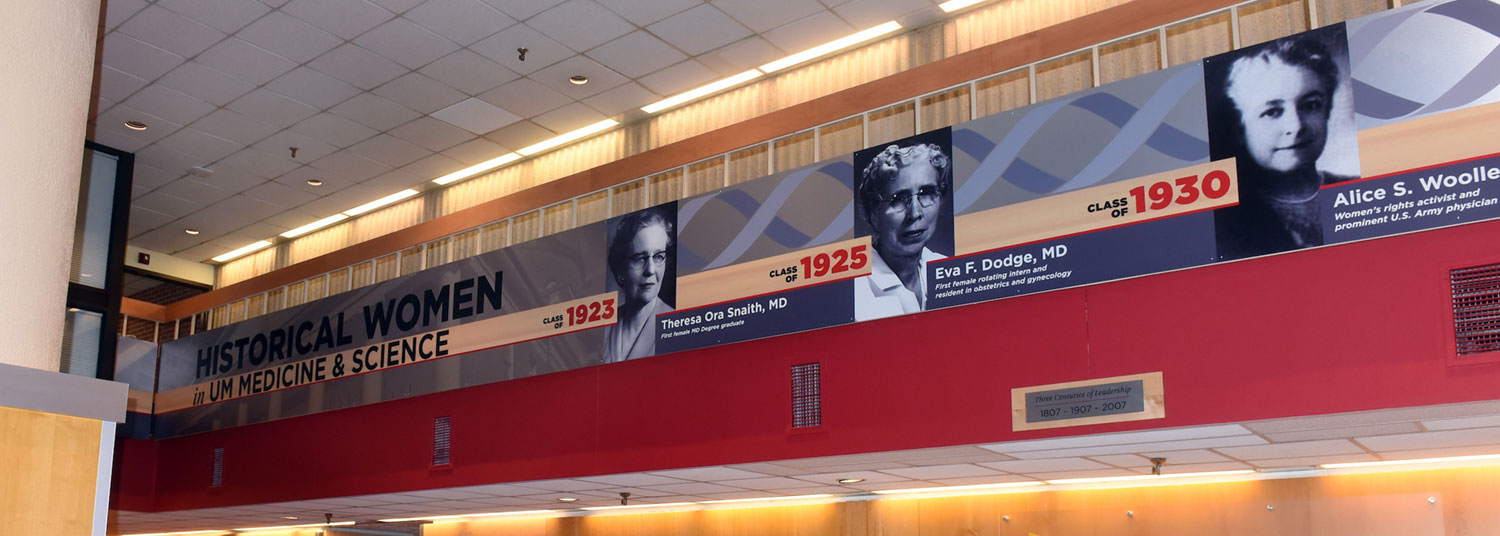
(898, 202)
(638, 261)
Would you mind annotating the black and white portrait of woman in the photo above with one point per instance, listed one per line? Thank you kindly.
(1284, 110)
(642, 267)
(904, 203)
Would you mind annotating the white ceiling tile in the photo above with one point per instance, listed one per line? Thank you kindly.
(944, 460)
(1429, 440)
(142, 219)
(733, 495)
(192, 189)
(468, 72)
(113, 120)
(225, 15)
(861, 466)
(308, 149)
(313, 88)
(562, 485)
(745, 55)
(445, 494)
(770, 469)
(519, 134)
(273, 108)
(397, 6)
(1466, 422)
(864, 14)
(1086, 473)
(1131, 460)
(636, 54)
(389, 150)
(1422, 413)
(1292, 450)
(644, 12)
(767, 483)
(633, 480)
(375, 112)
(621, 99)
(1346, 432)
(814, 490)
(1181, 444)
(431, 133)
(170, 31)
(258, 162)
(556, 77)
(406, 43)
(433, 166)
(569, 118)
(213, 225)
(462, 21)
(525, 98)
(1045, 466)
(170, 240)
(708, 474)
(1443, 452)
(580, 24)
(476, 151)
(297, 180)
(699, 29)
(164, 203)
(289, 37)
(419, 93)
(208, 84)
(541, 50)
(118, 10)
(344, 18)
(245, 61)
(278, 194)
(118, 139)
(522, 9)
(942, 471)
(1174, 469)
(1184, 456)
(395, 180)
(168, 104)
(201, 145)
(1125, 438)
(153, 177)
(333, 129)
(873, 477)
(140, 59)
(160, 157)
(245, 207)
(981, 480)
(350, 166)
(693, 488)
(678, 78)
(763, 15)
(1310, 461)
(809, 32)
(116, 85)
(357, 66)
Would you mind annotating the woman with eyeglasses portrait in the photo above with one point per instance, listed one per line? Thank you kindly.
(902, 193)
(641, 262)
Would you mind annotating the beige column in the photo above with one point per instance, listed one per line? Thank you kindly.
(47, 55)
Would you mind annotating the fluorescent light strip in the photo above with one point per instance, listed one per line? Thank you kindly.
(768, 499)
(242, 251)
(462, 517)
(1132, 478)
(830, 47)
(478, 168)
(955, 5)
(565, 138)
(973, 487)
(403, 194)
(187, 533)
(632, 506)
(700, 91)
(1411, 462)
(294, 233)
(307, 526)
(454, 517)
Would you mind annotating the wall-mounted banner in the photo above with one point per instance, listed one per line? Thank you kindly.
(1380, 125)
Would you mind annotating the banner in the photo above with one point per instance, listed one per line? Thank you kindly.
(1378, 126)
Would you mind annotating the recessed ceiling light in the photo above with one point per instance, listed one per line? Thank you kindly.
(314, 182)
(567, 499)
(135, 125)
(851, 480)
(578, 79)
(190, 231)
(291, 517)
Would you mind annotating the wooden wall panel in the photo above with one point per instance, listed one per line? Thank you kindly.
(593, 207)
(1336, 11)
(792, 152)
(1200, 38)
(841, 137)
(50, 466)
(1068, 74)
(1271, 19)
(494, 236)
(749, 163)
(557, 218)
(1002, 92)
(1132, 56)
(525, 227)
(891, 123)
(705, 176)
(628, 197)
(666, 186)
(945, 108)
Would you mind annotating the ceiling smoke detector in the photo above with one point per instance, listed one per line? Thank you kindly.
(135, 125)
(578, 79)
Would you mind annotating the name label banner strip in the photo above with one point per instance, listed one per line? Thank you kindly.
(812, 266)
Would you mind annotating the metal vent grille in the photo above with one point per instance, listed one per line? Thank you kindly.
(1476, 309)
(807, 395)
(442, 440)
(218, 479)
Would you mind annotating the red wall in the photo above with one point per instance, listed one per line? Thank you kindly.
(1354, 327)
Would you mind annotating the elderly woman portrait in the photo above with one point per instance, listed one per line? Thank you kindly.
(903, 196)
(1271, 108)
(641, 264)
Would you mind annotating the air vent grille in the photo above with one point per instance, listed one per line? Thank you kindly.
(442, 440)
(218, 478)
(1476, 309)
(807, 395)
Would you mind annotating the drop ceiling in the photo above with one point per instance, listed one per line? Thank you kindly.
(381, 95)
(1270, 446)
